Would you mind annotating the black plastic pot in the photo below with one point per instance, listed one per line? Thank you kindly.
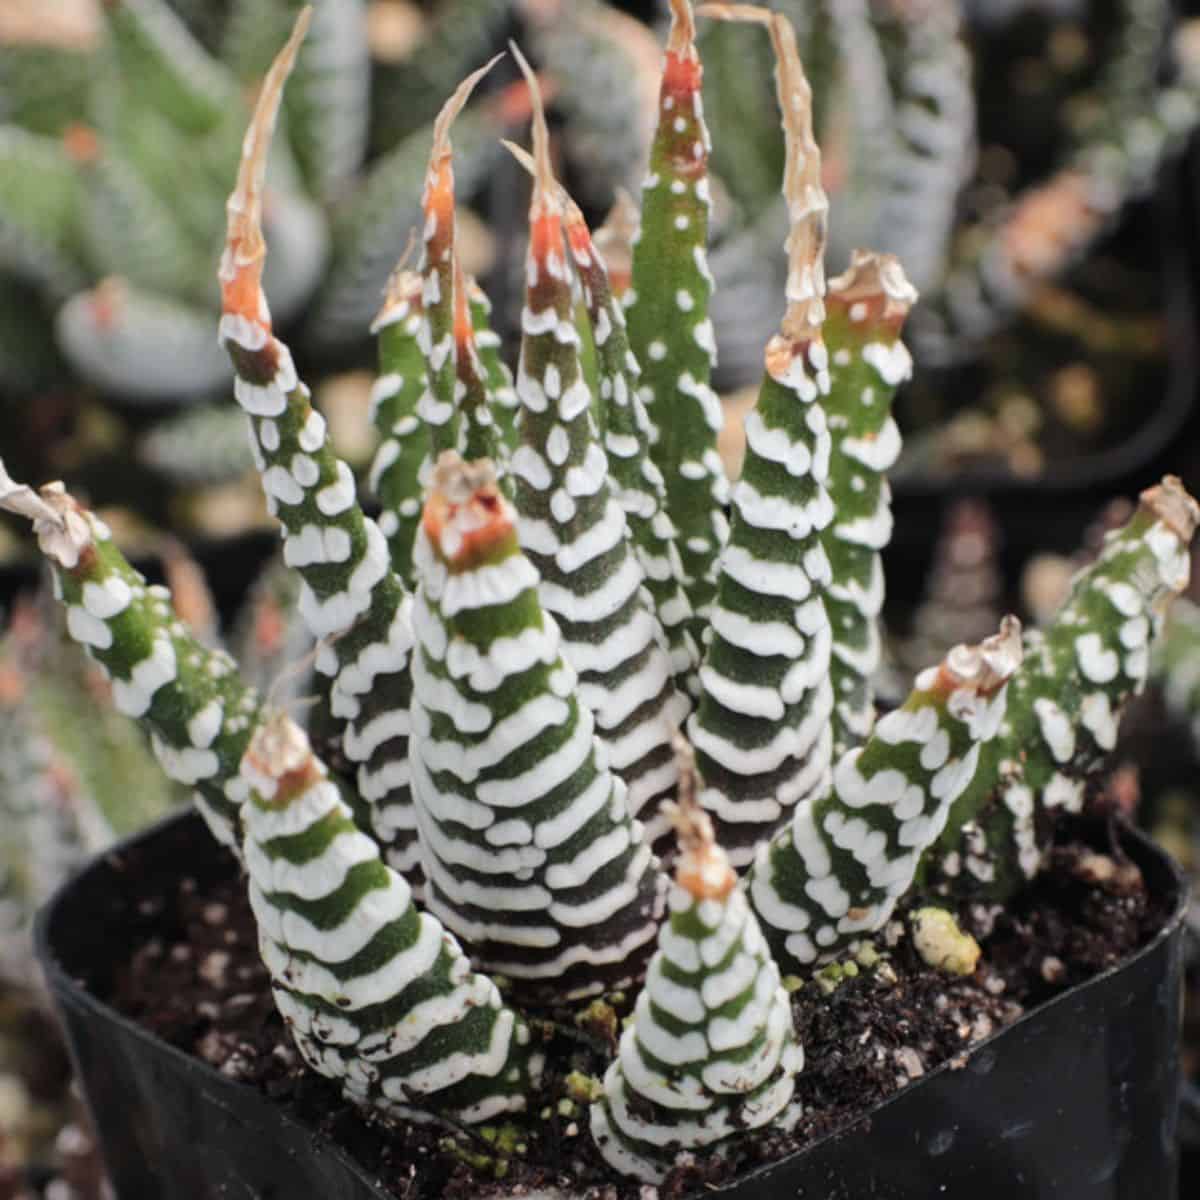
(1079, 1099)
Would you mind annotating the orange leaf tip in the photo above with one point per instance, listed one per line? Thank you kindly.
(466, 517)
(279, 760)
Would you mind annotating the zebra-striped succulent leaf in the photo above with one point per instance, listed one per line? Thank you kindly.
(850, 854)
(711, 1053)
(865, 310)
(669, 328)
(350, 595)
(199, 712)
(762, 731)
(1065, 702)
(533, 857)
(574, 530)
(376, 994)
(396, 471)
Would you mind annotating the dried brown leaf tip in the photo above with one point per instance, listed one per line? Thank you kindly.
(702, 869)
(402, 295)
(437, 199)
(241, 267)
(682, 72)
(63, 532)
(545, 206)
(575, 223)
(681, 135)
(873, 292)
(466, 517)
(279, 761)
(984, 668)
(402, 298)
(1171, 503)
(808, 205)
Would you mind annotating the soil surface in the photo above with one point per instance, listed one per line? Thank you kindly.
(198, 983)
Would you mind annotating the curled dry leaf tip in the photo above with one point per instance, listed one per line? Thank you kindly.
(807, 203)
(545, 186)
(240, 272)
(986, 667)
(1170, 502)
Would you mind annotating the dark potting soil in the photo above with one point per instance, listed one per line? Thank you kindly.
(198, 984)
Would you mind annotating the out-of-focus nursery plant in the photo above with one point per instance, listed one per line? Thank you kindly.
(120, 125)
(574, 682)
(993, 148)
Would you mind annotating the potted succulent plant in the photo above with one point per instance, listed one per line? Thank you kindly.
(567, 700)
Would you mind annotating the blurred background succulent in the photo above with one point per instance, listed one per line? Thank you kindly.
(1005, 152)
(73, 775)
(120, 125)
(108, 237)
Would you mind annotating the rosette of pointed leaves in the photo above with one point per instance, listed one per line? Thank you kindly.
(532, 856)
(127, 182)
(711, 1052)
(525, 749)
(1053, 223)
(377, 995)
